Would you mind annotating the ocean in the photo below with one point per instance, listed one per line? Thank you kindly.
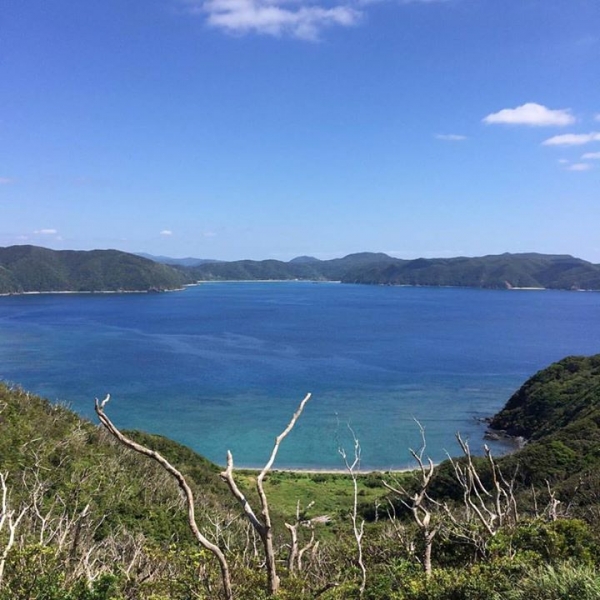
(223, 366)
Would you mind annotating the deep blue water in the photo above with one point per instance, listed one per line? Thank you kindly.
(224, 365)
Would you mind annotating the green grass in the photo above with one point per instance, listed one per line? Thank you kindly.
(332, 493)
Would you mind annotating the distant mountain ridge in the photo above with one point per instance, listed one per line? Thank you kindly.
(34, 269)
(503, 271)
(188, 261)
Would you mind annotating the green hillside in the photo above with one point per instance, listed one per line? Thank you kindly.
(34, 269)
(503, 271)
(558, 412)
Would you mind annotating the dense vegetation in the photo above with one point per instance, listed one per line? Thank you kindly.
(95, 521)
(558, 411)
(34, 269)
(494, 272)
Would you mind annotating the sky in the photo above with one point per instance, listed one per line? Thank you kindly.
(233, 129)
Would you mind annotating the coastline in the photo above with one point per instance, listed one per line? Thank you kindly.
(326, 471)
(90, 292)
(314, 281)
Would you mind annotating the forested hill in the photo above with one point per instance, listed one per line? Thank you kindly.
(35, 269)
(558, 412)
(504, 271)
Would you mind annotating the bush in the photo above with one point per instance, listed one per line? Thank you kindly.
(564, 582)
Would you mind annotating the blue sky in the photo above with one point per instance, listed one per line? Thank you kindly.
(275, 128)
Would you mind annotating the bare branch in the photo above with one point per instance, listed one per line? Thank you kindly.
(9, 520)
(419, 503)
(358, 528)
(185, 488)
(263, 528)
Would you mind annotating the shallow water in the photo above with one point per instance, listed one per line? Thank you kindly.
(224, 365)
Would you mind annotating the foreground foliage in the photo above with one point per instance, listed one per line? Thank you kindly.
(84, 518)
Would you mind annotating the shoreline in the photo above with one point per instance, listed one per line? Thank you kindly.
(314, 281)
(327, 471)
(91, 292)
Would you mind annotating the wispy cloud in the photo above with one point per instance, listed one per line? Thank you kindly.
(579, 167)
(450, 137)
(591, 156)
(301, 19)
(597, 117)
(166, 232)
(45, 231)
(531, 114)
(572, 139)
(278, 18)
(6, 180)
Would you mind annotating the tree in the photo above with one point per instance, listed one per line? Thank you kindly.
(263, 526)
(357, 527)
(419, 503)
(9, 521)
(185, 488)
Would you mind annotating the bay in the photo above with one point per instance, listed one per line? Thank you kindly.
(224, 365)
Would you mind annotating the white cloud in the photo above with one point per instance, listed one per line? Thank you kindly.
(572, 139)
(5, 180)
(450, 137)
(45, 232)
(579, 167)
(277, 18)
(166, 232)
(563, 161)
(532, 114)
(597, 117)
(302, 19)
(591, 156)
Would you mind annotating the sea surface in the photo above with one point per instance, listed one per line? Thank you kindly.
(224, 365)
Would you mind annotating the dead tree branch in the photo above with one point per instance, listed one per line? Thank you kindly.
(263, 525)
(185, 488)
(358, 528)
(420, 503)
(493, 508)
(10, 519)
(296, 553)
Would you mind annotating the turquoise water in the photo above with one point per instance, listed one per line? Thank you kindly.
(224, 365)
